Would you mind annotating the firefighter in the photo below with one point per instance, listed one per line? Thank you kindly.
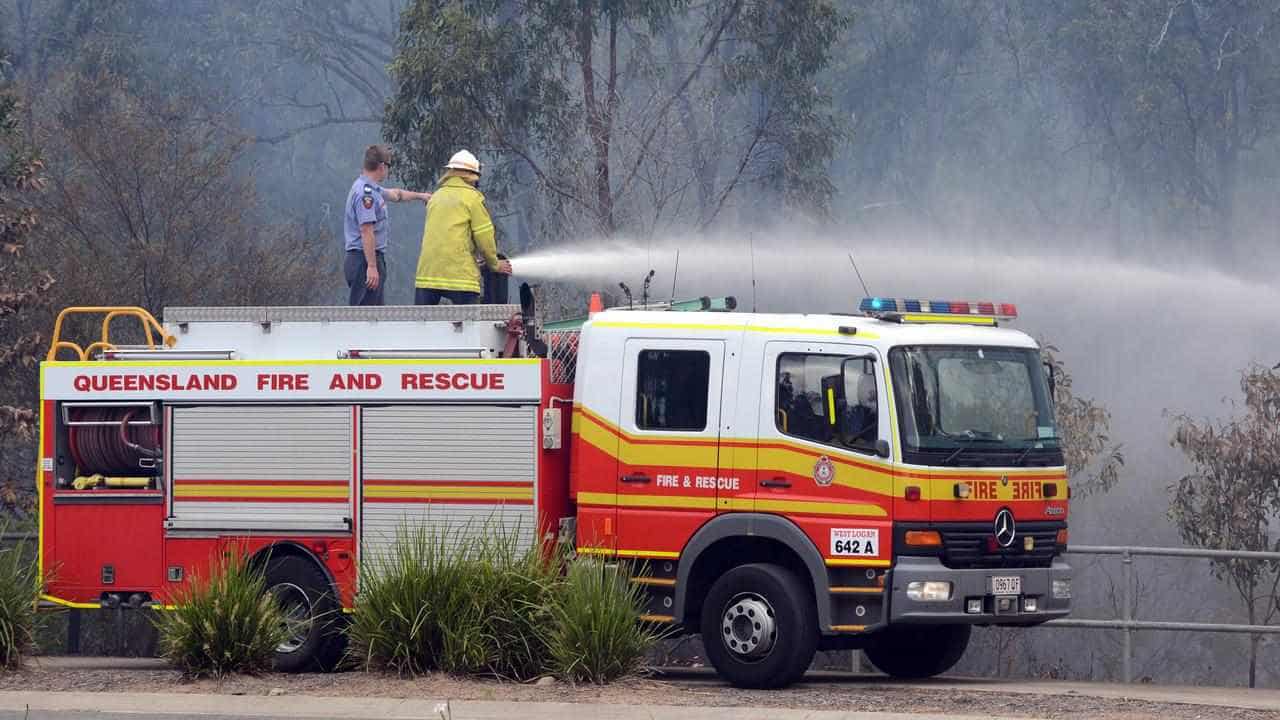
(365, 227)
(458, 230)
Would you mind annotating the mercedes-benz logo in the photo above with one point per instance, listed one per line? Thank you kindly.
(1005, 528)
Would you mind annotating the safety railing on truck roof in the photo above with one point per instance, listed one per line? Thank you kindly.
(150, 328)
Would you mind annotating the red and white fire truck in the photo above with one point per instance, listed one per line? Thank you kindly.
(779, 483)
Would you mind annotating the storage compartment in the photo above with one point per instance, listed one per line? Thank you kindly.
(106, 545)
(459, 470)
(109, 446)
(262, 467)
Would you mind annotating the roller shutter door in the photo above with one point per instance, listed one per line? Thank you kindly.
(454, 471)
(262, 467)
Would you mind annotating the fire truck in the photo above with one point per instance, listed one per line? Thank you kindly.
(778, 483)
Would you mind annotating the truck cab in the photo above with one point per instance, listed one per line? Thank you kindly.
(784, 483)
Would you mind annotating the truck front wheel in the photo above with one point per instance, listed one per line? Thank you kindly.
(759, 626)
(918, 651)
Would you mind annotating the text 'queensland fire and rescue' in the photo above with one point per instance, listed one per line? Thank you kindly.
(300, 382)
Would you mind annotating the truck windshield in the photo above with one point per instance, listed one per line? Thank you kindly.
(973, 406)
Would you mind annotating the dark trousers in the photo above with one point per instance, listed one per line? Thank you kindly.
(354, 268)
(431, 296)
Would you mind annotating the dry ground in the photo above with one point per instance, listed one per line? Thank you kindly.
(820, 692)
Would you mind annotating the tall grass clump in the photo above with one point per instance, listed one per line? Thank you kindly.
(478, 603)
(20, 588)
(597, 634)
(459, 601)
(223, 623)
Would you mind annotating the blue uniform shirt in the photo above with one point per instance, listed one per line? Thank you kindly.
(365, 204)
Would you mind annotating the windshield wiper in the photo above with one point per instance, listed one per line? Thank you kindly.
(1032, 442)
(968, 437)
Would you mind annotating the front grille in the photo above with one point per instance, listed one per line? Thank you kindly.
(966, 546)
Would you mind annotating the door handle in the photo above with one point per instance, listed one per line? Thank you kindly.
(640, 478)
(775, 483)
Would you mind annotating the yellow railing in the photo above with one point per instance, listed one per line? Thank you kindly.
(150, 326)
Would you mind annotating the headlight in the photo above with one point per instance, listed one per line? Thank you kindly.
(1062, 589)
(931, 591)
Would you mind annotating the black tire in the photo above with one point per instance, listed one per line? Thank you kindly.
(918, 651)
(740, 648)
(316, 639)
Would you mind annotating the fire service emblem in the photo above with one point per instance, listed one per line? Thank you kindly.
(823, 471)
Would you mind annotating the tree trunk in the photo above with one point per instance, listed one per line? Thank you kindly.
(599, 115)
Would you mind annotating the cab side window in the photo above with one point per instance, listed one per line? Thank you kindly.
(830, 399)
(671, 389)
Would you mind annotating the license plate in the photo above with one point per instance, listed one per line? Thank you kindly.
(1006, 585)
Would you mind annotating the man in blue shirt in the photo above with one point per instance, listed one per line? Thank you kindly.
(365, 227)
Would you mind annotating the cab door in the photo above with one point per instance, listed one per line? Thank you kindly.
(668, 455)
(824, 433)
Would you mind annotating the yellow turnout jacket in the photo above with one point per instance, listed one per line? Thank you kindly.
(458, 229)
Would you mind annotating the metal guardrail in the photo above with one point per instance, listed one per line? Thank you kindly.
(1127, 624)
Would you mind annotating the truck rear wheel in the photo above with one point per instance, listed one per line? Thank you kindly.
(313, 617)
(918, 651)
(759, 626)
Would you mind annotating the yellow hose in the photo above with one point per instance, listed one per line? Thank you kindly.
(85, 482)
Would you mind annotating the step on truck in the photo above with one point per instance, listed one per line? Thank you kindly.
(777, 483)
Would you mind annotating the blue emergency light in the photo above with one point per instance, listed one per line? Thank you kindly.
(936, 310)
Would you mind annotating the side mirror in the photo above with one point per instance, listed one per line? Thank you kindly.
(882, 448)
(1052, 373)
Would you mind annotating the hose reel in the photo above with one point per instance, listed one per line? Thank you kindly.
(113, 440)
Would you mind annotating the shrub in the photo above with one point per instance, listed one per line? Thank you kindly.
(444, 601)
(20, 588)
(476, 603)
(596, 634)
(225, 623)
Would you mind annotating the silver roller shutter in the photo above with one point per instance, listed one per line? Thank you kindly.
(459, 471)
(262, 467)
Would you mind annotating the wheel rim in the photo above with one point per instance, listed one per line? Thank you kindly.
(748, 627)
(296, 620)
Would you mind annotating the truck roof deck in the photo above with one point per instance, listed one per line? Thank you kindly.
(329, 332)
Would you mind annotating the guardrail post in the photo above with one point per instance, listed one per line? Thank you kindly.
(1126, 563)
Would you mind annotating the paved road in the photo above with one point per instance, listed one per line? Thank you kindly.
(172, 706)
(1255, 699)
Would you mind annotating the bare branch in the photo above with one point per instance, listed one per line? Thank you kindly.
(1164, 31)
(276, 139)
(661, 114)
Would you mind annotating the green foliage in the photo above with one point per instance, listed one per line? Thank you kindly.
(223, 623)
(597, 635)
(476, 604)
(605, 110)
(440, 600)
(20, 588)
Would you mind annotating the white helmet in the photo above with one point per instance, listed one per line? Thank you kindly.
(464, 160)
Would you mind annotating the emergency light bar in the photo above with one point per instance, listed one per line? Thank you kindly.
(956, 311)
